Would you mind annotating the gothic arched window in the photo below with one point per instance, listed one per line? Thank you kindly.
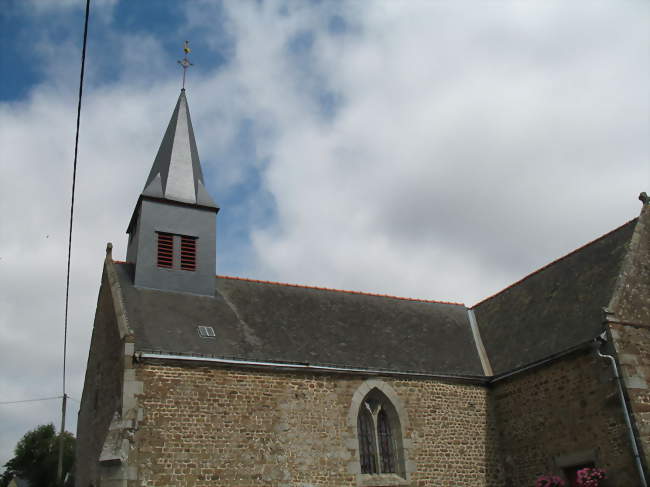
(379, 432)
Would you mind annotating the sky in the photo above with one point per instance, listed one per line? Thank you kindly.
(429, 149)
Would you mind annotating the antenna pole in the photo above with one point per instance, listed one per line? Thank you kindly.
(59, 471)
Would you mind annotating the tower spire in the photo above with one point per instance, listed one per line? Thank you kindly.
(176, 173)
(172, 231)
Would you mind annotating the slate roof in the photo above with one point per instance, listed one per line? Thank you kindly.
(548, 312)
(262, 321)
(556, 308)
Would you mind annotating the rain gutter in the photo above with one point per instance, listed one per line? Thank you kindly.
(539, 363)
(304, 367)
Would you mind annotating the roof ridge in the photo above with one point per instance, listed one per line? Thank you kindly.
(546, 266)
(320, 288)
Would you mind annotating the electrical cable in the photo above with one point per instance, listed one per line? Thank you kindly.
(30, 400)
(74, 180)
(67, 278)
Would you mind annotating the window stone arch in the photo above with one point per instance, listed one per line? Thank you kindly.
(380, 450)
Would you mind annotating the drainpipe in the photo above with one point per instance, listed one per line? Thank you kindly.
(626, 413)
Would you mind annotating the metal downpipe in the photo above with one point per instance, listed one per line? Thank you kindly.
(626, 413)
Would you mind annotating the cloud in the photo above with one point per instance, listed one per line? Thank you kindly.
(37, 140)
(465, 144)
(421, 149)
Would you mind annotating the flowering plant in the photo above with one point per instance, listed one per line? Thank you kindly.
(590, 477)
(549, 481)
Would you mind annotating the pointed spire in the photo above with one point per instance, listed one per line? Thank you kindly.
(176, 173)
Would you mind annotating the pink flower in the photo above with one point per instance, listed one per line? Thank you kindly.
(590, 477)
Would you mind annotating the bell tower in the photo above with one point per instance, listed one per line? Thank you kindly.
(172, 230)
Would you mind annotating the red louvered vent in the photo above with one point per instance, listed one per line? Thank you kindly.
(188, 253)
(165, 250)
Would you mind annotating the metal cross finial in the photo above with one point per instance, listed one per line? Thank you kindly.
(185, 63)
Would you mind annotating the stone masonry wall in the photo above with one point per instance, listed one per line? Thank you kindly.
(633, 352)
(102, 389)
(207, 426)
(629, 325)
(563, 414)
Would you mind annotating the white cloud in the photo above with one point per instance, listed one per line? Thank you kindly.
(468, 144)
(466, 147)
(37, 136)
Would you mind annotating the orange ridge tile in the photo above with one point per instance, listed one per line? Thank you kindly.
(339, 290)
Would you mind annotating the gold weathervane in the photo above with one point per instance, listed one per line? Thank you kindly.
(185, 63)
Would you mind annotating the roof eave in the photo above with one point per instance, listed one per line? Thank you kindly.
(160, 356)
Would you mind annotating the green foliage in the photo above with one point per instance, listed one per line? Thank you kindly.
(36, 457)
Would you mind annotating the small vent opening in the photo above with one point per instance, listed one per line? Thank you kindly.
(206, 331)
(165, 250)
(188, 253)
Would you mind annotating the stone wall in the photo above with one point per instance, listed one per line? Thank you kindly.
(629, 325)
(633, 353)
(565, 413)
(102, 389)
(210, 425)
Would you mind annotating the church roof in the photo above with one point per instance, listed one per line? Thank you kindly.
(263, 321)
(176, 173)
(555, 308)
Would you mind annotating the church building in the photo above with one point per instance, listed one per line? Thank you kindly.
(197, 380)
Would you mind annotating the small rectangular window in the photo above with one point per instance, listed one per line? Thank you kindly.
(165, 250)
(206, 331)
(188, 253)
(571, 473)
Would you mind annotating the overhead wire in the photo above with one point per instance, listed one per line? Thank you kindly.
(2, 403)
(74, 181)
(67, 279)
